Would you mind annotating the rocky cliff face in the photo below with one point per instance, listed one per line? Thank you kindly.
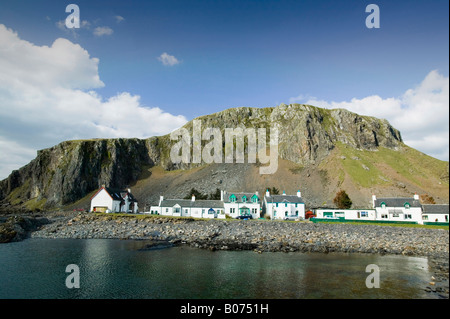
(70, 170)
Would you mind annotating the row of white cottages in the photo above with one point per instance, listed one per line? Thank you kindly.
(244, 205)
(391, 210)
(235, 205)
(250, 205)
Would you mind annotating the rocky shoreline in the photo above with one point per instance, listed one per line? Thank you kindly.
(262, 236)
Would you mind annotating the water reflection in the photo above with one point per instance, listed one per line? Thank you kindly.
(35, 268)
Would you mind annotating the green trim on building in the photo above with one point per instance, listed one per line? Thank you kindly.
(436, 223)
(343, 220)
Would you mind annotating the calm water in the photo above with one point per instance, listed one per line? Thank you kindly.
(35, 268)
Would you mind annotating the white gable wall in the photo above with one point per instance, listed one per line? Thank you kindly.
(103, 199)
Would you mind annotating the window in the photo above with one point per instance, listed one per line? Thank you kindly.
(296, 212)
(425, 217)
(254, 199)
(408, 216)
(340, 214)
(396, 215)
(446, 218)
(384, 216)
(177, 209)
(276, 205)
(185, 211)
(383, 205)
(406, 205)
(296, 204)
(364, 214)
(232, 198)
(285, 204)
(244, 199)
(285, 213)
(167, 210)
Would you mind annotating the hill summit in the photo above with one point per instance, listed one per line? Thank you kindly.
(320, 151)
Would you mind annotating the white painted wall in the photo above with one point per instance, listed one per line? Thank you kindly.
(353, 214)
(283, 210)
(440, 218)
(102, 199)
(401, 214)
(254, 209)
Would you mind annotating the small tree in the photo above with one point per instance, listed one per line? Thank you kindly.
(215, 195)
(197, 194)
(342, 200)
(273, 190)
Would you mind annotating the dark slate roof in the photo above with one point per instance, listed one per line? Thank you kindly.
(239, 196)
(435, 209)
(118, 194)
(397, 202)
(284, 199)
(193, 204)
(115, 194)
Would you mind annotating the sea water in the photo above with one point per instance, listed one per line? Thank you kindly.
(126, 269)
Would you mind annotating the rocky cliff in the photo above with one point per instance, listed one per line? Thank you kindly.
(308, 136)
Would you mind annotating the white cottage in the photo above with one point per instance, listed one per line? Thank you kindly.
(284, 206)
(398, 209)
(116, 201)
(189, 207)
(241, 205)
(433, 214)
(345, 214)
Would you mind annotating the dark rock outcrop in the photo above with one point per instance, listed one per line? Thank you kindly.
(70, 170)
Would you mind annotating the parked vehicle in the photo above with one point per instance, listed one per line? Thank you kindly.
(244, 217)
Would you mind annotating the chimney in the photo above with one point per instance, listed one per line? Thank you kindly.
(103, 185)
(129, 190)
(161, 198)
(374, 198)
(416, 197)
(221, 196)
(284, 193)
(299, 194)
(267, 193)
(193, 197)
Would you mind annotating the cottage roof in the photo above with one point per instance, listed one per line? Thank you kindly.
(117, 194)
(435, 209)
(185, 203)
(239, 197)
(397, 202)
(283, 199)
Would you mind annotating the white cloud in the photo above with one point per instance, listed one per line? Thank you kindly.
(119, 19)
(101, 31)
(421, 113)
(167, 59)
(46, 96)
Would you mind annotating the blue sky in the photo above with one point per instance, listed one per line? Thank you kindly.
(244, 53)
